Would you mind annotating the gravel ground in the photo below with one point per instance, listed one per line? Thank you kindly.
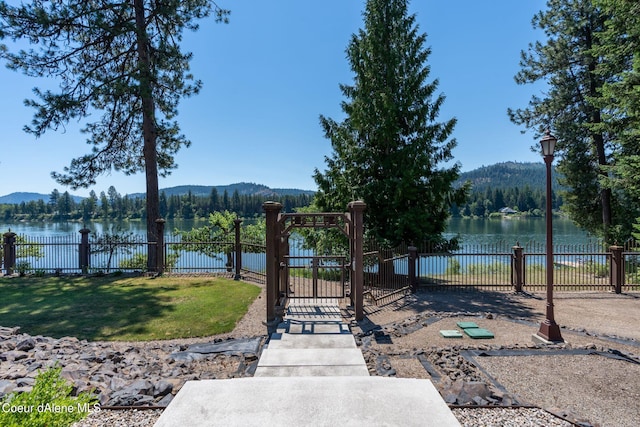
(595, 376)
(121, 418)
(507, 417)
(588, 388)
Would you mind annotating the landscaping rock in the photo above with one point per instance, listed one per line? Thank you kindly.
(122, 374)
(162, 388)
(26, 344)
(6, 387)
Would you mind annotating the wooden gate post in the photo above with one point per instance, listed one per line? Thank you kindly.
(9, 252)
(272, 209)
(356, 209)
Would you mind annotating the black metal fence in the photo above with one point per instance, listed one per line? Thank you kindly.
(386, 271)
(96, 254)
(502, 266)
(309, 274)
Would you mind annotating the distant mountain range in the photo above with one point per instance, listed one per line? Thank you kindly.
(248, 188)
(17, 198)
(197, 190)
(501, 175)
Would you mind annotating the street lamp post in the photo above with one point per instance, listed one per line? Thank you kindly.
(549, 329)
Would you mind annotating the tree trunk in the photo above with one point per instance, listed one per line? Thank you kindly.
(598, 139)
(387, 269)
(149, 135)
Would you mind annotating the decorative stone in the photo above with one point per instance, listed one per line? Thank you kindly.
(162, 388)
(13, 355)
(26, 344)
(141, 374)
(6, 387)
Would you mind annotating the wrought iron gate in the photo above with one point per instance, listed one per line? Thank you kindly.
(315, 276)
(280, 263)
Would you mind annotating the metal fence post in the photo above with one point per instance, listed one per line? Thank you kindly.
(413, 257)
(238, 248)
(617, 268)
(160, 249)
(84, 251)
(283, 251)
(9, 246)
(517, 268)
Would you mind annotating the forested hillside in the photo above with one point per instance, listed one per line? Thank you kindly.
(177, 202)
(519, 186)
(508, 175)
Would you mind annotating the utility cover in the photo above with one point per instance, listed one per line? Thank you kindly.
(466, 325)
(478, 333)
(450, 333)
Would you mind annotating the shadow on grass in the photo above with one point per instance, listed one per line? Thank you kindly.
(87, 308)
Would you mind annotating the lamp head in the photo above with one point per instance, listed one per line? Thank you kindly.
(548, 143)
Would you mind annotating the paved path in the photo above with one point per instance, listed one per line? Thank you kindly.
(310, 373)
(312, 341)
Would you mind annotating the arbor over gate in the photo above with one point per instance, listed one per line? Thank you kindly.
(279, 228)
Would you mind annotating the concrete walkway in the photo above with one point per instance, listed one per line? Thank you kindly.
(312, 341)
(310, 373)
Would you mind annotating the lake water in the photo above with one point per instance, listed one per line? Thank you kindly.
(508, 230)
(476, 235)
(516, 229)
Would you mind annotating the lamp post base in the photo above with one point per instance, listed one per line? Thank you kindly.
(549, 333)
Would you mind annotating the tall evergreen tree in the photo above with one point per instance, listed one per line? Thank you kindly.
(120, 57)
(568, 62)
(619, 44)
(388, 151)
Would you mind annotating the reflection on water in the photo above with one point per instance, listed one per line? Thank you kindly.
(515, 229)
(475, 235)
(472, 231)
(51, 229)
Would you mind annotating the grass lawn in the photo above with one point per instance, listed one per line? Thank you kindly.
(124, 308)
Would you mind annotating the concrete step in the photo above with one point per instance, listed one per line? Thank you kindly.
(327, 358)
(310, 356)
(292, 326)
(311, 341)
(312, 371)
(308, 401)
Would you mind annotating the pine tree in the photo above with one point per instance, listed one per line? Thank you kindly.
(388, 151)
(118, 57)
(619, 45)
(568, 62)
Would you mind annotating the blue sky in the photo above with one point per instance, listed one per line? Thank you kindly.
(274, 69)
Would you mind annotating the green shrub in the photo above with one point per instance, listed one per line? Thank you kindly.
(139, 262)
(49, 403)
(136, 262)
(23, 267)
(453, 266)
(598, 269)
(330, 274)
(489, 268)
